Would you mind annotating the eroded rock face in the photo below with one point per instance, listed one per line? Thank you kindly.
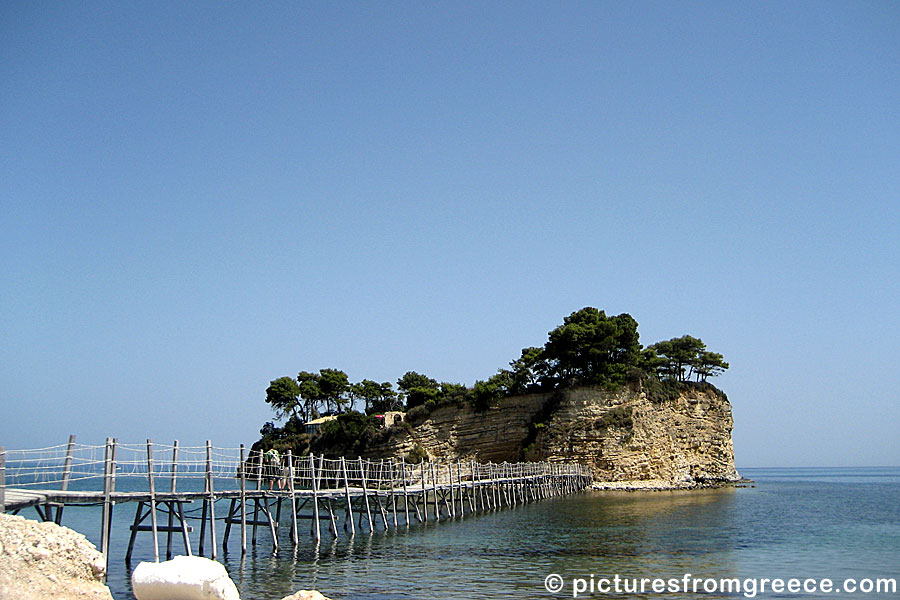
(43, 560)
(682, 442)
(624, 436)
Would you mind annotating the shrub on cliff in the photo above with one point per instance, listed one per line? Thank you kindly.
(666, 390)
(618, 417)
(416, 455)
(348, 435)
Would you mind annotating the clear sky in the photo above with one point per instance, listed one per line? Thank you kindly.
(197, 198)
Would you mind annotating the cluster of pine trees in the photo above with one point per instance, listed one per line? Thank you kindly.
(588, 348)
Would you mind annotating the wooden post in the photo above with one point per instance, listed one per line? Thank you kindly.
(496, 494)
(316, 530)
(505, 470)
(232, 510)
(330, 506)
(172, 503)
(67, 468)
(243, 474)
(487, 499)
(415, 498)
(460, 491)
(180, 505)
(447, 493)
(523, 484)
(526, 490)
(504, 484)
(258, 479)
(517, 489)
(481, 495)
(204, 510)
(424, 491)
(104, 523)
(184, 528)
(2, 479)
(212, 499)
(152, 499)
(473, 499)
(452, 491)
(112, 478)
(475, 487)
(362, 473)
(378, 487)
(487, 482)
(295, 538)
(347, 497)
(326, 500)
(272, 530)
(278, 507)
(112, 486)
(405, 493)
(434, 491)
(487, 485)
(393, 497)
(498, 485)
(138, 517)
(526, 484)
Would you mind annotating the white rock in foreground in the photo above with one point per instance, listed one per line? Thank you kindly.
(43, 560)
(183, 578)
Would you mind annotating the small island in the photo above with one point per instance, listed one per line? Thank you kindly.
(640, 417)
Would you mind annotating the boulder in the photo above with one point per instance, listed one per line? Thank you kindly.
(183, 578)
(44, 560)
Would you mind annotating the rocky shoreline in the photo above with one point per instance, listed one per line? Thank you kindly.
(666, 486)
(44, 560)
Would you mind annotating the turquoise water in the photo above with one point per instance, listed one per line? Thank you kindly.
(803, 523)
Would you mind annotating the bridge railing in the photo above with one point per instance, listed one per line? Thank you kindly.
(174, 468)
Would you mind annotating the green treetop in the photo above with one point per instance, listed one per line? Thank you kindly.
(283, 395)
(684, 357)
(590, 347)
(335, 387)
(418, 389)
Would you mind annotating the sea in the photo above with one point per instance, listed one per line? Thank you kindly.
(802, 527)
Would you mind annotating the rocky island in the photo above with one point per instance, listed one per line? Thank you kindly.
(630, 438)
(641, 418)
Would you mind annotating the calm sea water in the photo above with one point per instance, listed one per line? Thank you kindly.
(817, 523)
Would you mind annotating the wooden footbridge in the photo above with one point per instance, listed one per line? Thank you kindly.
(362, 495)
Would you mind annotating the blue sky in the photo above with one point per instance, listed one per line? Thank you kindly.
(197, 198)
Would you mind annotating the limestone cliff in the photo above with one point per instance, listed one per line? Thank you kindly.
(679, 440)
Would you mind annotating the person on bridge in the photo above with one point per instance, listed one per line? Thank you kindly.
(274, 469)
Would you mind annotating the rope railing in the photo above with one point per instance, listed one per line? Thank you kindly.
(190, 468)
(374, 493)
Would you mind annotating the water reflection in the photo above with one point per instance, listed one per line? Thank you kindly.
(781, 529)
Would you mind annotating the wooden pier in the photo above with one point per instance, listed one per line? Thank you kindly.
(359, 495)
